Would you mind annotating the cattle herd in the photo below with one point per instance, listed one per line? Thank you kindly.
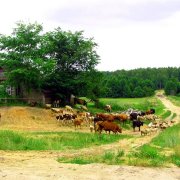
(111, 122)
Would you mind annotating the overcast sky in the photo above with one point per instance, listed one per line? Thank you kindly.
(130, 33)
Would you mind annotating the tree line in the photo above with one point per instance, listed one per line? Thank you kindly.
(64, 62)
(141, 82)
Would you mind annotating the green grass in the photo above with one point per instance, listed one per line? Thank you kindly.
(108, 157)
(155, 153)
(147, 156)
(166, 114)
(173, 116)
(122, 104)
(175, 100)
(169, 138)
(11, 140)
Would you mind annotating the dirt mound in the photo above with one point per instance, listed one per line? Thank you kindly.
(28, 118)
(33, 119)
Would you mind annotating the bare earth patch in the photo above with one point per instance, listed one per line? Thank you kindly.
(33, 165)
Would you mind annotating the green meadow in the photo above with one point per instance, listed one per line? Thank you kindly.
(13, 140)
(123, 104)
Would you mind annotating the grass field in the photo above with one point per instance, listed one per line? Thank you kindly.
(123, 104)
(12, 140)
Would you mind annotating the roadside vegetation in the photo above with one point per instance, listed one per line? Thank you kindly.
(166, 114)
(162, 151)
(175, 100)
(12, 140)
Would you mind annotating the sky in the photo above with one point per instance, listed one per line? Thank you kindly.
(130, 34)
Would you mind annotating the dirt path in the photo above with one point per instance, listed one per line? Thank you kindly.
(169, 105)
(30, 165)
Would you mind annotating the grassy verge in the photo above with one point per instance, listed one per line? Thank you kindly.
(10, 140)
(173, 116)
(161, 151)
(175, 100)
(108, 157)
(166, 114)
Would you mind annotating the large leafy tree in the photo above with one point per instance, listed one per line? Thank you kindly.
(55, 60)
(24, 57)
(75, 56)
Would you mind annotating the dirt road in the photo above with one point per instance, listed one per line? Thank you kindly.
(30, 165)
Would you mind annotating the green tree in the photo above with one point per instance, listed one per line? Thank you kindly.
(171, 87)
(23, 58)
(74, 55)
(54, 60)
(138, 92)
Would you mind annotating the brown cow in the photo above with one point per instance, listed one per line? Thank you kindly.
(150, 111)
(80, 101)
(105, 117)
(122, 117)
(78, 122)
(109, 126)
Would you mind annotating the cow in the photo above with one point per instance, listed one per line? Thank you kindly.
(80, 101)
(122, 117)
(78, 122)
(137, 123)
(150, 111)
(109, 126)
(105, 117)
(133, 116)
(33, 103)
(141, 113)
(108, 108)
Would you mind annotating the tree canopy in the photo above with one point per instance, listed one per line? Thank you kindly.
(55, 60)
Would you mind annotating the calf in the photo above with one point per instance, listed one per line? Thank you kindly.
(145, 132)
(91, 127)
(78, 122)
(150, 111)
(137, 123)
(107, 108)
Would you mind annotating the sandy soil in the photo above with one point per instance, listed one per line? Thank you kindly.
(33, 165)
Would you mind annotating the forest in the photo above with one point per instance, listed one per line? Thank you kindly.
(65, 63)
(141, 82)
